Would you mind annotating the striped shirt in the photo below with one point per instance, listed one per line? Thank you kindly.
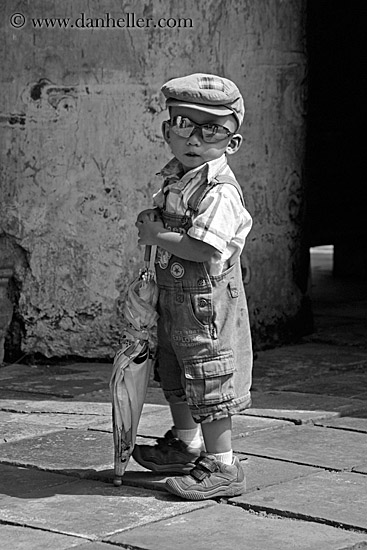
(221, 221)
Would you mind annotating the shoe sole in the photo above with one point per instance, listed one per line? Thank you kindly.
(232, 490)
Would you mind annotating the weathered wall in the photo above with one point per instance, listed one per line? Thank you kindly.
(80, 117)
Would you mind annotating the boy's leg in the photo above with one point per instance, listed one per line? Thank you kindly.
(218, 435)
(218, 439)
(187, 430)
(182, 417)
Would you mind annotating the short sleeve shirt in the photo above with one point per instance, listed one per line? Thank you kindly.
(221, 220)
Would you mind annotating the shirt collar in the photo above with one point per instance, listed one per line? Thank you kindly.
(173, 170)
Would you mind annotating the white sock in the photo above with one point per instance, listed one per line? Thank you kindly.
(193, 439)
(226, 458)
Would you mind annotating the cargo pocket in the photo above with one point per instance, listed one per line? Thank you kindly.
(209, 380)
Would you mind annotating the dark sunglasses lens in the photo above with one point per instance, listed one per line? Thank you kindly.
(182, 132)
(182, 126)
(213, 133)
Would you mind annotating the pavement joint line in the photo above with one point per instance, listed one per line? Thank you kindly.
(299, 516)
(49, 394)
(30, 466)
(354, 471)
(268, 457)
(7, 409)
(90, 538)
(308, 421)
(301, 422)
(342, 428)
(290, 420)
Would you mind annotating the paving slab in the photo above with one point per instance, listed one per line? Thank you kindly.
(351, 383)
(50, 406)
(302, 408)
(154, 396)
(278, 368)
(16, 425)
(75, 452)
(337, 331)
(93, 509)
(264, 472)
(15, 431)
(19, 481)
(345, 423)
(315, 446)
(154, 421)
(349, 309)
(11, 372)
(228, 527)
(97, 396)
(243, 426)
(56, 380)
(13, 537)
(24, 395)
(56, 369)
(337, 497)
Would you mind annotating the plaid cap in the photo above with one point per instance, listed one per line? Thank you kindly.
(205, 92)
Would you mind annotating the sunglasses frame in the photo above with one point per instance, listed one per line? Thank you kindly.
(200, 127)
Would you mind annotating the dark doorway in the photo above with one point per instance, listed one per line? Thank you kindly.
(336, 150)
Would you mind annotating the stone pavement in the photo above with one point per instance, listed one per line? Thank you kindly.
(303, 446)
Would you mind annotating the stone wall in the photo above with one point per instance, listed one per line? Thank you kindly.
(80, 117)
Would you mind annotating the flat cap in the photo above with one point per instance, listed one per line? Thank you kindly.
(205, 92)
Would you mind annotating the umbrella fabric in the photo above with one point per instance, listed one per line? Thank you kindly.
(139, 309)
(132, 366)
(129, 383)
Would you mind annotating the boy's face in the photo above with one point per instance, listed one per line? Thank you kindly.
(193, 151)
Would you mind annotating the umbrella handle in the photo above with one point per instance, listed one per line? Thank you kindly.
(147, 253)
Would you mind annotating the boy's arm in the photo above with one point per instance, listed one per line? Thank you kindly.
(181, 245)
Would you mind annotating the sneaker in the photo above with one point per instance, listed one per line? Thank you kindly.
(170, 454)
(209, 479)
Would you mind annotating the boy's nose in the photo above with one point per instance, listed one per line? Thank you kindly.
(195, 137)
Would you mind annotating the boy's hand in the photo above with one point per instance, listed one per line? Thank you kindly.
(151, 214)
(149, 224)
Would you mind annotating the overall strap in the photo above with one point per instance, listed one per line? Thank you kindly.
(196, 198)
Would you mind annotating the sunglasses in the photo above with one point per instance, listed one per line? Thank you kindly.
(211, 133)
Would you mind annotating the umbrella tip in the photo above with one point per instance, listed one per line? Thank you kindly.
(117, 481)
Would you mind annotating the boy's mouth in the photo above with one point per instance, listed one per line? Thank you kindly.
(192, 154)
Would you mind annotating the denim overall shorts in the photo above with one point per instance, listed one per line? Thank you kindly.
(204, 341)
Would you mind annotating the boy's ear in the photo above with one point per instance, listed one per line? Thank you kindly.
(234, 144)
(165, 130)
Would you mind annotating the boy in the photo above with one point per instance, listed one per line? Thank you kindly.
(204, 346)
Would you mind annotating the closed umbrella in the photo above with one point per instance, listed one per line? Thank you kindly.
(132, 365)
